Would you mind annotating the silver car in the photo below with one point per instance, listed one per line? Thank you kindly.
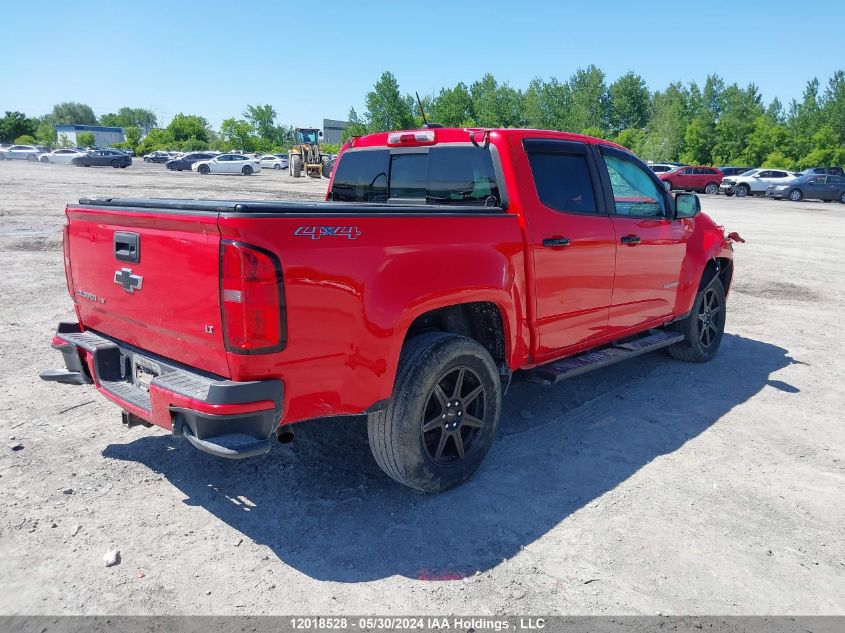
(21, 152)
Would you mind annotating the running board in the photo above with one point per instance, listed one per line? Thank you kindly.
(582, 363)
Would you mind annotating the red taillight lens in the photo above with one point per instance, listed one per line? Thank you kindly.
(66, 251)
(252, 297)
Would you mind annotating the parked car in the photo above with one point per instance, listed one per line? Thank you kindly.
(734, 171)
(21, 152)
(833, 171)
(284, 311)
(61, 155)
(127, 151)
(755, 182)
(103, 158)
(810, 187)
(659, 168)
(271, 161)
(187, 161)
(228, 164)
(157, 156)
(697, 178)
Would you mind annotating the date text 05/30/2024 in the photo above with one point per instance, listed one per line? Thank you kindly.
(418, 623)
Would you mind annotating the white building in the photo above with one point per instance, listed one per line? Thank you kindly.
(103, 136)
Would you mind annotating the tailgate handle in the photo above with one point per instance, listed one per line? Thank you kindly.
(127, 246)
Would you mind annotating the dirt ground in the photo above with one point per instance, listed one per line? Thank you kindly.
(652, 486)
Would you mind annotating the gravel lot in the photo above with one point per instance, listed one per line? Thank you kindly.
(652, 486)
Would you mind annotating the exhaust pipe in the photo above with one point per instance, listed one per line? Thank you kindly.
(284, 434)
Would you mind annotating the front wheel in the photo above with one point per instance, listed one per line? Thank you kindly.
(115, 164)
(712, 189)
(204, 170)
(277, 166)
(296, 165)
(704, 327)
(32, 158)
(441, 420)
(842, 198)
(667, 185)
(795, 195)
(44, 159)
(742, 191)
(247, 170)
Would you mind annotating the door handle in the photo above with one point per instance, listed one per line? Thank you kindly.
(556, 241)
(632, 240)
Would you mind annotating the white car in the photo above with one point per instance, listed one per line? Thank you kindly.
(21, 152)
(272, 162)
(61, 155)
(755, 181)
(662, 168)
(228, 164)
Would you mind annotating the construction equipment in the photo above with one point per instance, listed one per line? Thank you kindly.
(305, 154)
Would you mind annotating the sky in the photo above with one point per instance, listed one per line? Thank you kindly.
(316, 60)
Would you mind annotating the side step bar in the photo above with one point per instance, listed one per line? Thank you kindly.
(582, 363)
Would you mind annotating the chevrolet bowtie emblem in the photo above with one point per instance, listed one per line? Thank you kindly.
(127, 280)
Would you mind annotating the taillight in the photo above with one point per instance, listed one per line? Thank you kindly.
(66, 251)
(422, 137)
(252, 299)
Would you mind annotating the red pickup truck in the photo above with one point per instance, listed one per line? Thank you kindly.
(443, 263)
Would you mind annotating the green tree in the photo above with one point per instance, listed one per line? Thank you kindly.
(740, 108)
(15, 124)
(667, 125)
(630, 101)
(188, 127)
(263, 120)
(85, 139)
(588, 99)
(356, 126)
(833, 106)
(46, 133)
(387, 109)
(25, 139)
(766, 138)
(632, 138)
(238, 134)
(131, 117)
(157, 138)
(452, 107)
(547, 105)
(72, 113)
(698, 141)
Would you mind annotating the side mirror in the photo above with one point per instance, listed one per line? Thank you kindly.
(687, 205)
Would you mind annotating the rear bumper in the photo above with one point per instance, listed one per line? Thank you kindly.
(219, 416)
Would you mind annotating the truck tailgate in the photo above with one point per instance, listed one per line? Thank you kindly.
(150, 279)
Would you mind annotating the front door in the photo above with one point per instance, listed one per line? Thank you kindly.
(571, 243)
(651, 244)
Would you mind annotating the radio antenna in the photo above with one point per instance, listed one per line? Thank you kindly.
(422, 112)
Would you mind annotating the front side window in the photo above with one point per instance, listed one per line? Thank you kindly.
(635, 194)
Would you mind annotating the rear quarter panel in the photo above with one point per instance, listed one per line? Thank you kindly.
(351, 296)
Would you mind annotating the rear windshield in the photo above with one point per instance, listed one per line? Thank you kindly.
(436, 175)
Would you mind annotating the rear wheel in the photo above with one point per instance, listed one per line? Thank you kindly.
(704, 327)
(247, 170)
(204, 170)
(296, 165)
(32, 158)
(842, 198)
(795, 195)
(277, 166)
(667, 185)
(442, 417)
(115, 163)
(44, 159)
(712, 188)
(742, 191)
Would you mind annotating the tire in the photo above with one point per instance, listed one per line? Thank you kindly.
(704, 327)
(32, 158)
(326, 169)
(430, 367)
(115, 163)
(842, 198)
(729, 193)
(124, 166)
(247, 170)
(204, 170)
(711, 189)
(742, 190)
(296, 166)
(667, 185)
(277, 166)
(172, 167)
(44, 159)
(795, 195)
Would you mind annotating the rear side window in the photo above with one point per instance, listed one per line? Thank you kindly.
(441, 175)
(563, 181)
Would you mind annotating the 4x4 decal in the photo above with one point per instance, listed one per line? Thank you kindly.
(316, 232)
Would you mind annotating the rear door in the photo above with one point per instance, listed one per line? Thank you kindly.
(150, 278)
(571, 242)
(651, 244)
